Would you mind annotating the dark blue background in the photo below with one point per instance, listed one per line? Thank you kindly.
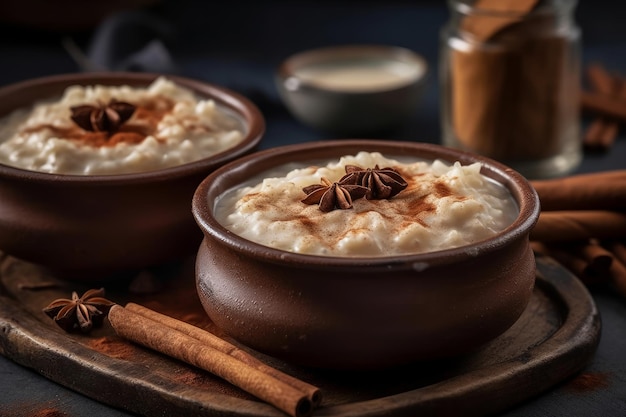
(238, 45)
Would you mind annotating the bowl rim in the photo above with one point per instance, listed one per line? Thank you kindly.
(218, 182)
(286, 70)
(243, 107)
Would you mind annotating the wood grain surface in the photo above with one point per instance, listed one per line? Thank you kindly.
(555, 338)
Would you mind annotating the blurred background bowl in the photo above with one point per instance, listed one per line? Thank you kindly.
(90, 226)
(362, 312)
(353, 89)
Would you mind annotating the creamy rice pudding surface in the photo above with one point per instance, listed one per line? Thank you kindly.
(443, 206)
(170, 126)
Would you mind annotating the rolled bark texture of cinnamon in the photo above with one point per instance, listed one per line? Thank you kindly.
(592, 263)
(581, 207)
(582, 225)
(171, 341)
(617, 272)
(603, 104)
(579, 225)
(602, 131)
(215, 342)
(594, 191)
(589, 261)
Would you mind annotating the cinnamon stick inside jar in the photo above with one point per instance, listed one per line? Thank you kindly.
(511, 83)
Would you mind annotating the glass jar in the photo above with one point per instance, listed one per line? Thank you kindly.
(510, 83)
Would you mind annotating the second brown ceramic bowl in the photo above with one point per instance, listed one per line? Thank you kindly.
(344, 312)
(353, 90)
(89, 226)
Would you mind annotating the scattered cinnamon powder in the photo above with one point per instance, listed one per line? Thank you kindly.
(193, 378)
(127, 133)
(588, 382)
(441, 189)
(417, 208)
(49, 412)
(114, 347)
(32, 410)
(143, 123)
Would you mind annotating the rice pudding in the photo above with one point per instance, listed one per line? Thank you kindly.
(440, 206)
(169, 126)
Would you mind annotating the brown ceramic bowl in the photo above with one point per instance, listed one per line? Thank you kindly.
(342, 312)
(93, 225)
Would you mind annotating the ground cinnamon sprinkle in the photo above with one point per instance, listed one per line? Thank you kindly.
(49, 412)
(588, 382)
(28, 410)
(142, 124)
(125, 137)
(114, 347)
(417, 208)
(102, 139)
(442, 189)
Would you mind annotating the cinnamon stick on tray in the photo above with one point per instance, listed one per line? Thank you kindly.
(618, 249)
(579, 225)
(589, 261)
(617, 273)
(595, 191)
(215, 342)
(603, 104)
(177, 344)
(602, 131)
(598, 259)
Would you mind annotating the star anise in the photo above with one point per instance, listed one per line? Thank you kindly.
(382, 183)
(101, 117)
(80, 313)
(331, 195)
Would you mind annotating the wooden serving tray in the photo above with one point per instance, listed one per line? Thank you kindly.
(555, 338)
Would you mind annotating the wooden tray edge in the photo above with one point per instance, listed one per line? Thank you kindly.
(475, 393)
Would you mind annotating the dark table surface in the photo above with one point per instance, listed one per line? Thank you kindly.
(239, 46)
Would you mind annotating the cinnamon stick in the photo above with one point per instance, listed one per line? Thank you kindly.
(600, 134)
(595, 191)
(589, 261)
(574, 264)
(600, 79)
(602, 131)
(618, 249)
(215, 342)
(598, 259)
(179, 345)
(603, 104)
(579, 225)
(617, 275)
